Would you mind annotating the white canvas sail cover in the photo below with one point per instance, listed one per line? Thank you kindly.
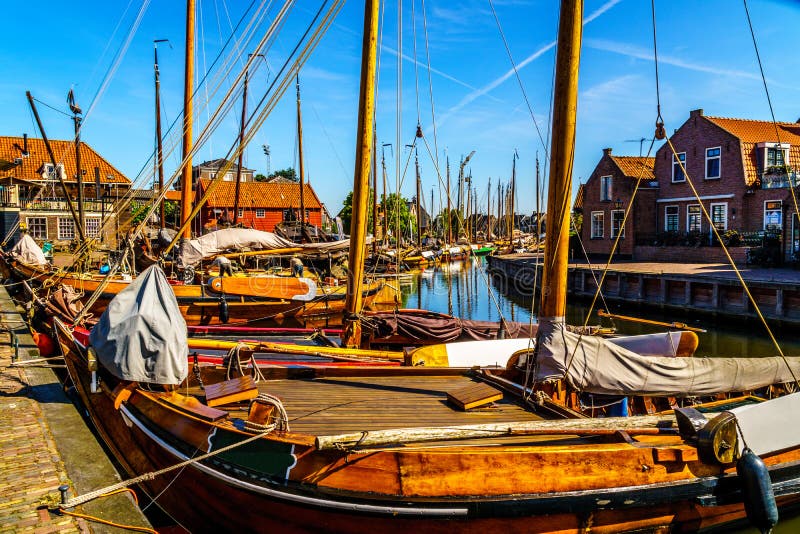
(596, 365)
(235, 239)
(141, 336)
(28, 252)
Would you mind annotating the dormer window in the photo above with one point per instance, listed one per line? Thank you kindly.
(773, 157)
(776, 156)
(48, 172)
(605, 188)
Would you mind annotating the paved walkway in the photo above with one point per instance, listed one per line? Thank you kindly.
(706, 270)
(44, 443)
(31, 468)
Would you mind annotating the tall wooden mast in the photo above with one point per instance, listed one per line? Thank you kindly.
(301, 163)
(76, 112)
(565, 105)
(351, 337)
(419, 199)
(159, 151)
(188, 115)
(237, 189)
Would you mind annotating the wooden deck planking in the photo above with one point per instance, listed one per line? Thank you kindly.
(325, 406)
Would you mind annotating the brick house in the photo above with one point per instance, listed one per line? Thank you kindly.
(26, 171)
(741, 170)
(262, 205)
(208, 170)
(604, 198)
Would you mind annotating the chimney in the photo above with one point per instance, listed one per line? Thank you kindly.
(696, 113)
(25, 145)
(606, 151)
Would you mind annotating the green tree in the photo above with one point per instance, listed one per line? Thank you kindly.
(441, 223)
(288, 173)
(139, 210)
(347, 213)
(259, 178)
(397, 205)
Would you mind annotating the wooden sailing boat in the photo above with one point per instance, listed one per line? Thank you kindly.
(360, 450)
(254, 298)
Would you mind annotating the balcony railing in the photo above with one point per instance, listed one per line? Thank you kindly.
(779, 178)
(61, 205)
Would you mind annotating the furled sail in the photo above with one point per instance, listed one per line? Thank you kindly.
(142, 336)
(206, 246)
(27, 251)
(597, 365)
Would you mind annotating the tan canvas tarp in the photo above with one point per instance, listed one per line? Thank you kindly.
(237, 239)
(596, 365)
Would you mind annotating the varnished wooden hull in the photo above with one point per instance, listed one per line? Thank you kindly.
(201, 307)
(283, 482)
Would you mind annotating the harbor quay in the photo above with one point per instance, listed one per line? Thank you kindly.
(45, 444)
(712, 289)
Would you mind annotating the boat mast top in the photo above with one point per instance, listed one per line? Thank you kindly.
(351, 336)
(188, 112)
(565, 104)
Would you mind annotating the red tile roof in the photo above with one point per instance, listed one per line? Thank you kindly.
(578, 205)
(752, 132)
(260, 195)
(64, 151)
(636, 167)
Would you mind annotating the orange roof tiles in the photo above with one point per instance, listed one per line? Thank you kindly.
(260, 195)
(64, 151)
(578, 205)
(752, 132)
(636, 167)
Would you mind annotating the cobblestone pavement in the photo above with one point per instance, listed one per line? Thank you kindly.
(30, 466)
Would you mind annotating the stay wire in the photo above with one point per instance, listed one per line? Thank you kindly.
(792, 183)
(519, 79)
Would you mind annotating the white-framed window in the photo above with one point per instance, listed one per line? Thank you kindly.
(605, 188)
(694, 218)
(677, 172)
(713, 162)
(617, 226)
(776, 155)
(597, 224)
(773, 215)
(671, 218)
(241, 213)
(92, 226)
(261, 213)
(228, 177)
(48, 172)
(66, 228)
(719, 215)
(37, 227)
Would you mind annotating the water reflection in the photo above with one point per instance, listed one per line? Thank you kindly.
(462, 289)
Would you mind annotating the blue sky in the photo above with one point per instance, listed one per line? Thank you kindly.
(706, 60)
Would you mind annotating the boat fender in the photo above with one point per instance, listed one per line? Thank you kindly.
(224, 314)
(759, 499)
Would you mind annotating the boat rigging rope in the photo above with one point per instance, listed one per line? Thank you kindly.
(791, 180)
(86, 497)
(519, 80)
(708, 217)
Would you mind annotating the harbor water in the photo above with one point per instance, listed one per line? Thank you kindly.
(466, 290)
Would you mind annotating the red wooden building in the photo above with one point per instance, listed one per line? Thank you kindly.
(262, 205)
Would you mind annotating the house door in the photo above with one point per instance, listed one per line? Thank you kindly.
(793, 248)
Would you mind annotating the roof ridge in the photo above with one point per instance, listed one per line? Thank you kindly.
(712, 117)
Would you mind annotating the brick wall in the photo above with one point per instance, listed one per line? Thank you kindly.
(690, 254)
(694, 137)
(640, 220)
